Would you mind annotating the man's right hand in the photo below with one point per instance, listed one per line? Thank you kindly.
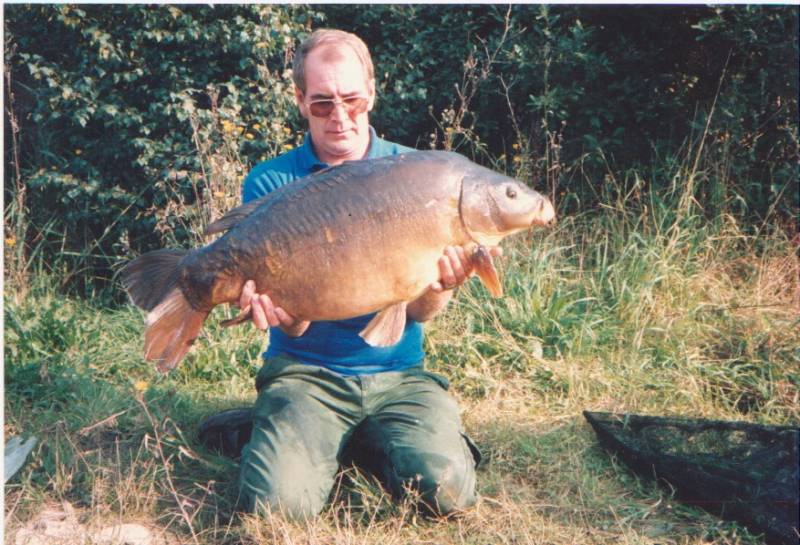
(265, 314)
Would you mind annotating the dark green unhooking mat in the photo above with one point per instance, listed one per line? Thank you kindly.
(740, 471)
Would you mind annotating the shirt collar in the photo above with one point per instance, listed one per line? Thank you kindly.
(311, 163)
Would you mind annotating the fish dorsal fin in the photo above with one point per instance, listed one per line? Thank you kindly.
(234, 216)
(291, 191)
(386, 328)
(484, 268)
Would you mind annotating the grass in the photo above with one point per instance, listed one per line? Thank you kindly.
(640, 307)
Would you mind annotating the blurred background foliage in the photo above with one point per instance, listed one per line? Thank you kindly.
(129, 127)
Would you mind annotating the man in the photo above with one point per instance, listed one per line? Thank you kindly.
(325, 397)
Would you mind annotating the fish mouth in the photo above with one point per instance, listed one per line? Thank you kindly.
(545, 216)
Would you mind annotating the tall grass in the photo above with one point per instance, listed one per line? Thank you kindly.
(643, 305)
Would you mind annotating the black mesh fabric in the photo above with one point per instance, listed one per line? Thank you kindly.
(737, 470)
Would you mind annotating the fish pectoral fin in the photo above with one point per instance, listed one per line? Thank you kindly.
(246, 315)
(386, 328)
(243, 316)
(484, 268)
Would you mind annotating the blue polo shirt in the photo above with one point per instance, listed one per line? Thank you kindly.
(332, 344)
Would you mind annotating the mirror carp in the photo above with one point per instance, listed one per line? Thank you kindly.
(361, 237)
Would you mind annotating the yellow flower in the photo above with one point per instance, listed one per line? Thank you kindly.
(256, 126)
(249, 136)
(517, 158)
(287, 130)
(78, 151)
(514, 146)
(227, 126)
(141, 385)
(10, 241)
(239, 130)
(287, 147)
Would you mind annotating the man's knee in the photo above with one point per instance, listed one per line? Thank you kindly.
(288, 498)
(445, 485)
(288, 485)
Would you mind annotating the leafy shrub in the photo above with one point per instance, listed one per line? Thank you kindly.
(113, 103)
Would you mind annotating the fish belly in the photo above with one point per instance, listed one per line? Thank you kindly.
(313, 278)
(357, 286)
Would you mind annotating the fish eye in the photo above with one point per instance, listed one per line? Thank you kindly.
(511, 193)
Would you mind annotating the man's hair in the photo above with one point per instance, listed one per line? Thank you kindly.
(328, 37)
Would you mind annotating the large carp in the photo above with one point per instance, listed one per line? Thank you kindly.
(357, 238)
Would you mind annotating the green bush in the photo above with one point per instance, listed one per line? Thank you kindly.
(114, 103)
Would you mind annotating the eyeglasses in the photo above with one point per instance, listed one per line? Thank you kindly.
(352, 105)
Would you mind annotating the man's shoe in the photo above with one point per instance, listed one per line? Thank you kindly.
(227, 432)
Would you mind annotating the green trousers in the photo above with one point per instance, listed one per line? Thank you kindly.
(308, 421)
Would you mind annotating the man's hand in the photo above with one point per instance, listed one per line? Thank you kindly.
(455, 268)
(265, 314)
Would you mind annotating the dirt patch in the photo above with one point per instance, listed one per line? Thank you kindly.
(61, 525)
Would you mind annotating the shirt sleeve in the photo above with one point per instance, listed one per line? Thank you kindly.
(260, 181)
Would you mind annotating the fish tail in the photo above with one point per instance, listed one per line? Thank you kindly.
(151, 276)
(151, 281)
(172, 328)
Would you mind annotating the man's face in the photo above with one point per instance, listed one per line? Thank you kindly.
(335, 73)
